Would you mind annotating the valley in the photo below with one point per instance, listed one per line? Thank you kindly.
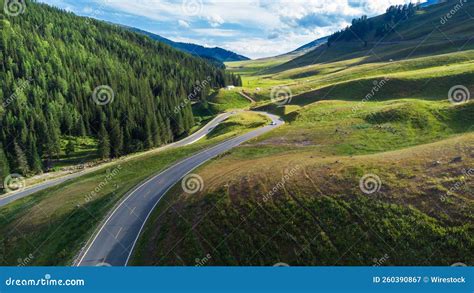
(353, 150)
(375, 161)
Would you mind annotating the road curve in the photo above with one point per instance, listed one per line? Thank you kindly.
(11, 197)
(114, 242)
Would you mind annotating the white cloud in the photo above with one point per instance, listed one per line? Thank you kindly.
(183, 23)
(215, 32)
(264, 47)
(267, 27)
(235, 11)
(258, 48)
(215, 20)
(87, 9)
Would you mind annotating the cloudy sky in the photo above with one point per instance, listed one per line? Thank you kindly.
(254, 28)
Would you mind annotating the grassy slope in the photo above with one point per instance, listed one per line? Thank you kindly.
(219, 101)
(322, 211)
(352, 128)
(250, 71)
(225, 100)
(446, 49)
(52, 225)
(408, 134)
(252, 66)
(422, 35)
(320, 217)
(85, 150)
(423, 77)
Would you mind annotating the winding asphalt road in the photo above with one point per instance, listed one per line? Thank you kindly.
(10, 197)
(114, 242)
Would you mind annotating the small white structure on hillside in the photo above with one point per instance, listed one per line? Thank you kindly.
(230, 87)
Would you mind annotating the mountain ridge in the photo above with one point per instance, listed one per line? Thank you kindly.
(216, 53)
(393, 35)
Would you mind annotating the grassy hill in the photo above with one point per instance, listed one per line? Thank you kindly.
(320, 216)
(423, 53)
(422, 215)
(426, 33)
(374, 165)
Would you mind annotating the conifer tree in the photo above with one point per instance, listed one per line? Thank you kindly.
(116, 139)
(21, 163)
(34, 159)
(70, 148)
(4, 168)
(103, 149)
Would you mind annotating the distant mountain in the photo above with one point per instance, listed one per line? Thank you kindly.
(321, 41)
(418, 33)
(312, 45)
(296, 53)
(316, 43)
(213, 54)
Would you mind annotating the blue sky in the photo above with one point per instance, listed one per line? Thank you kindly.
(254, 28)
